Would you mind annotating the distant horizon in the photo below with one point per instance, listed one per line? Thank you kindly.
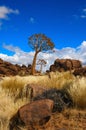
(63, 21)
(24, 58)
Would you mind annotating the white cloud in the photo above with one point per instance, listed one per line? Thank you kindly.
(5, 11)
(32, 20)
(4, 14)
(21, 57)
(84, 10)
(83, 16)
(12, 48)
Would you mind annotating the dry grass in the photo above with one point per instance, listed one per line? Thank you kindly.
(78, 92)
(8, 108)
(10, 87)
(57, 80)
(68, 120)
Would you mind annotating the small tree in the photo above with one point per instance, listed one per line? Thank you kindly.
(39, 43)
(42, 63)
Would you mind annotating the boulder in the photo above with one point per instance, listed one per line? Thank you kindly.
(32, 90)
(31, 115)
(80, 71)
(65, 64)
(61, 98)
(76, 64)
(60, 63)
(52, 68)
(29, 66)
(3, 70)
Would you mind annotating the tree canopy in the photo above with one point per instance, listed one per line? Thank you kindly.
(40, 42)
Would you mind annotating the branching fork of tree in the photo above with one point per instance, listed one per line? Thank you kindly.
(42, 63)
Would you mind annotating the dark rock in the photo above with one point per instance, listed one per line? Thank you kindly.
(29, 66)
(8, 69)
(52, 68)
(76, 64)
(33, 114)
(80, 71)
(65, 64)
(23, 66)
(61, 98)
(3, 70)
(60, 63)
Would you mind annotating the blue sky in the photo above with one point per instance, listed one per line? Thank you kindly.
(64, 21)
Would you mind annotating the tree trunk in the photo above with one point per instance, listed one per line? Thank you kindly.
(34, 63)
(41, 68)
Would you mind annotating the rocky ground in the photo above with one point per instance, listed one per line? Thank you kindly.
(67, 120)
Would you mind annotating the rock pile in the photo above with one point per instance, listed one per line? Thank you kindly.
(7, 69)
(65, 64)
(62, 65)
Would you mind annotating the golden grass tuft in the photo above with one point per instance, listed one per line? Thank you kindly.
(57, 80)
(78, 92)
(7, 108)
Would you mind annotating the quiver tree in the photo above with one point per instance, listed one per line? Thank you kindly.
(42, 63)
(39, 43)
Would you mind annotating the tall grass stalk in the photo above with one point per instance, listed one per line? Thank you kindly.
(78, 92)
